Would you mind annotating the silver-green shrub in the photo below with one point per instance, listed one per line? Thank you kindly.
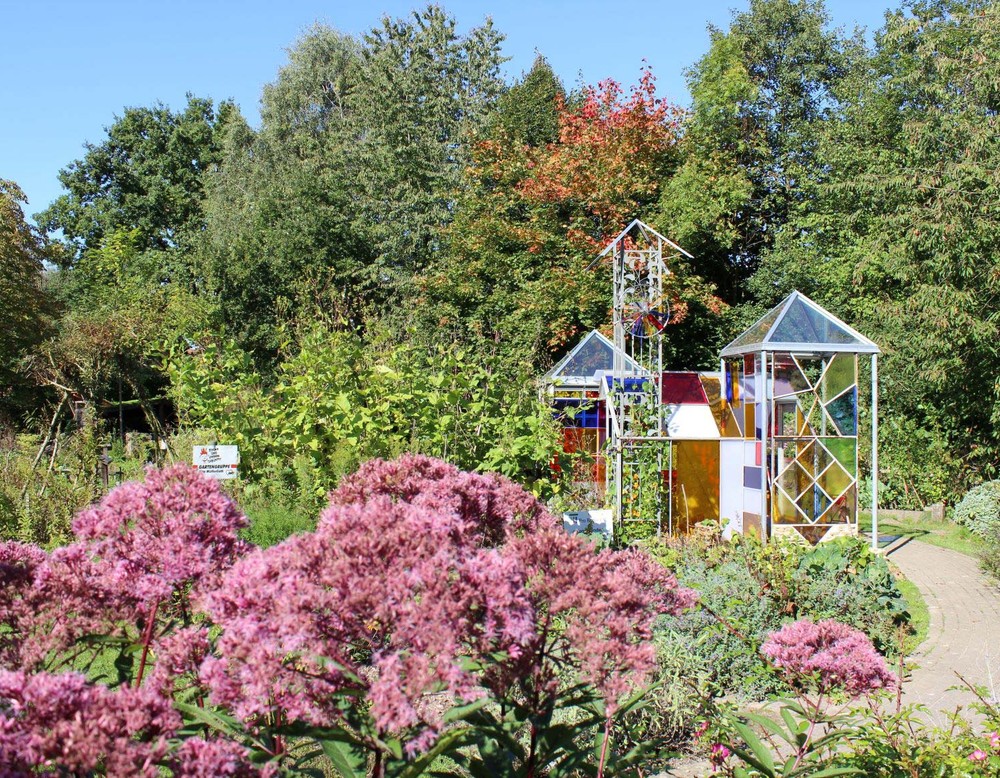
(979, 510)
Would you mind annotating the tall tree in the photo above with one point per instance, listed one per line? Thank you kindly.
(518, 276)
(347, 189)
(25, 308)
(759, 98)
(279, 210)
(422, 93)
(903, 237)
(146, 176)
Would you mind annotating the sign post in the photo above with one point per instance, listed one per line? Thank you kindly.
(215, 461)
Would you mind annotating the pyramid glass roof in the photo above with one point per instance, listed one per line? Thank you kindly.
(591, 357)
(797, 324)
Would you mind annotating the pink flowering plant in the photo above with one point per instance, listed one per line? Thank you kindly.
(431, 611)
(822, 661)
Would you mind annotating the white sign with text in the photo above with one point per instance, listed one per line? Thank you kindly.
(217, 461)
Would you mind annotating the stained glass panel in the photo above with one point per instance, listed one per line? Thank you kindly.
(788, 379)
(835, 480)
(803, 324)
(844, 449)
(841, 373)
(844, 412)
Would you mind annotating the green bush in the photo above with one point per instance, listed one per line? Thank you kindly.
(843, 579)
(751, 589)
(979, 510)
(40, 495)
(336, 400)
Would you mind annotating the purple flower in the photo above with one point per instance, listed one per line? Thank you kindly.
(145, 547)
(978, 756)
(63, 722)
(831, 655)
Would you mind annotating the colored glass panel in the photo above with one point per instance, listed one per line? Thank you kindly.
(801, 323)
(682, 388)
(757, 332)
(788, 379)
(813, 502)
(813, 533)
(835, 480)
(695, 493)
(793, 480)
(844, 412)
(841, 374)
(845, 452)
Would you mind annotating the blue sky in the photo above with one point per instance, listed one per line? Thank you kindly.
(71, 65)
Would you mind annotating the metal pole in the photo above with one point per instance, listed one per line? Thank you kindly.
(765, 487)
(874, 474)
(670, 487)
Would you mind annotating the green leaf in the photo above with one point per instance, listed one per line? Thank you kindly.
(449, 740)
(220, 722)
(345, 758)
(759, 755)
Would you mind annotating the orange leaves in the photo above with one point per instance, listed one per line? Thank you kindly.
(612, 152)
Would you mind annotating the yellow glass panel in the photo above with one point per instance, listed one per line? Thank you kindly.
(696, 482)
(841, 373)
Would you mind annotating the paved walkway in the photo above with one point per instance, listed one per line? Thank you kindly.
(964, 633)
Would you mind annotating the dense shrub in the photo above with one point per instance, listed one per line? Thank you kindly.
(750, 589)
(979, 510)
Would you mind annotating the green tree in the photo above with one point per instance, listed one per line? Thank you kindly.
(903, 236)
(526, 113)
(759, 98)
(518, 277)
(279, 240)
(26, 306)
(146, 176)
(347, 189)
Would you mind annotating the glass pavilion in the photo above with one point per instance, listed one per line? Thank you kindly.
(791, 387)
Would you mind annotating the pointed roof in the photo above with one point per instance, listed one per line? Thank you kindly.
(648, 232)
(591, 357)
(799, 324)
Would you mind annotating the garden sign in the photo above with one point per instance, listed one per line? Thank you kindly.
(217, 461)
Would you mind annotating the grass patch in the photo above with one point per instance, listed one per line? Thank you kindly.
(920, 616)
(270, 524)
(945, 534)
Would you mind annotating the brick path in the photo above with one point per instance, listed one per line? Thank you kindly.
(964, 633)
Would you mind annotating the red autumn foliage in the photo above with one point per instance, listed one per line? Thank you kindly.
(610, 156)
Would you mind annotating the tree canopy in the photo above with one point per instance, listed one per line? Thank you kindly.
(400, 189)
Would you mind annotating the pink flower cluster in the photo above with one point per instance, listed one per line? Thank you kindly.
(831, 655)
(64, 722)
(18, 565)
(593, 610)
(414, 567)
(146, 544)
(420, 579)
(980, 755)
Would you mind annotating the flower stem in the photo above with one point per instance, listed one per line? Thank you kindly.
(147, 638)
(604, 747)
